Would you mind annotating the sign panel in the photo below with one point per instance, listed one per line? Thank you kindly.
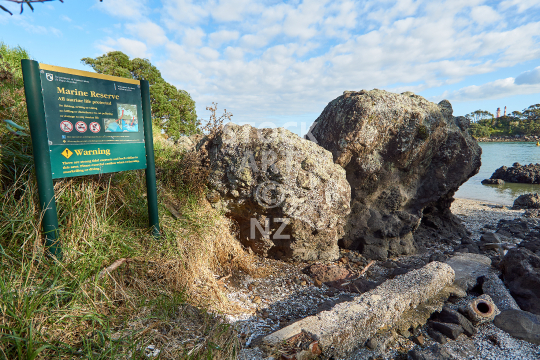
(94, 122)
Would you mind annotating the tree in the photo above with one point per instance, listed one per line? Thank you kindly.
(532, 113)
(479, 131)
(173, 110)
(479, 115)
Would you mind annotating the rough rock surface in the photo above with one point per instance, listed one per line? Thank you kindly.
(494, 287)
(527, 201)
(404, 156)
(350, 324)
(492, 182)
(520, 324)
(468, 268)
(521, 271)
(288, 197)
(517, 173)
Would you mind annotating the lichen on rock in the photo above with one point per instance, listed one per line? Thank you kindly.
(288, 197)
(404, 156)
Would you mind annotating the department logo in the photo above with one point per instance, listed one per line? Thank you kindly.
(67, 153)
(50, 77)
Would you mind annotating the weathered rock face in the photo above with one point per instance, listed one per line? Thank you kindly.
(527, 201)
(288, 197)
(404, 156)
(521, 271)
(517, 173)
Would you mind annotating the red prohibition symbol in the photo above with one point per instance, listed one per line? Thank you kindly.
(66, 126)
(80, 126)
(95, 127)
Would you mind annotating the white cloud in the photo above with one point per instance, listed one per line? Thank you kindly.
(221, 37)
(66, 18)
(132, 48)
(261, 58)
(148, 31)
(527, 82)
(194, 37)
(521, 5)
(531, 77)
(123, 8)
(485, 15)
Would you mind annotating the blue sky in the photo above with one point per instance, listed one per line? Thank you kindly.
(279, 63)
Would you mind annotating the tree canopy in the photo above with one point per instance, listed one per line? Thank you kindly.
(173, 110)
(526, 122)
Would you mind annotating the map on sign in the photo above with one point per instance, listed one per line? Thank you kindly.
(127, 120)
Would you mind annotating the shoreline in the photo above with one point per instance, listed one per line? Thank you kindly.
(529, 140)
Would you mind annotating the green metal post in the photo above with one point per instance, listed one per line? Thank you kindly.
(42, 160)
(151, 188)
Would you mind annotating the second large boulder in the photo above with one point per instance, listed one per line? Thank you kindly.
(404, 157)
(288, 197)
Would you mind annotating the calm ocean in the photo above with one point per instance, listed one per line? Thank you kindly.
(495, 155)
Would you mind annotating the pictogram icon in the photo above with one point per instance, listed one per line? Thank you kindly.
(66, 126)
(81, 126)
(95, 127)
(67, 153)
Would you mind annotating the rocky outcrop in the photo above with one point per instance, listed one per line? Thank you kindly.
(521, 271)
(517, 173)
(288, 197)
(527, 201)
(492, 182)
(404, 157)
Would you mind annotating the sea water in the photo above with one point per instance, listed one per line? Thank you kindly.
(495, 155)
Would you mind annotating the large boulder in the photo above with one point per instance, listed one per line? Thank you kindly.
(521, 272)
(404, 157)
(517, 173)
(288, 197)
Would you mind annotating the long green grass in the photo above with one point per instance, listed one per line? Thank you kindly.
(75, 309)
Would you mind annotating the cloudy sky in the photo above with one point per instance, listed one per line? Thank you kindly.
(280, 62)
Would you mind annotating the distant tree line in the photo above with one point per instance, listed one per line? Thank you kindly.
(485, 124)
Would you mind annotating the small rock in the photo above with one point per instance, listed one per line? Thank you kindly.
(404, 333)
(490, 237)
(250, 287)
(303, 283)
(372, 344)
(527, 201)
(437, 336)
(389, 264)
(448, 315)
(448, 329)
(344, 260)
(438, 257)
(492, 182)
(257, 299)
(419, 340)
(520, 324)
(318, 283)
(434, 352)
(399, 271)
(326, 273)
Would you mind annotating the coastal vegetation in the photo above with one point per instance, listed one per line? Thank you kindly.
(118, 291)
(522, 123)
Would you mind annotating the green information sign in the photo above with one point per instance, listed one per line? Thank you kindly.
(83, 123)
(94, 122)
